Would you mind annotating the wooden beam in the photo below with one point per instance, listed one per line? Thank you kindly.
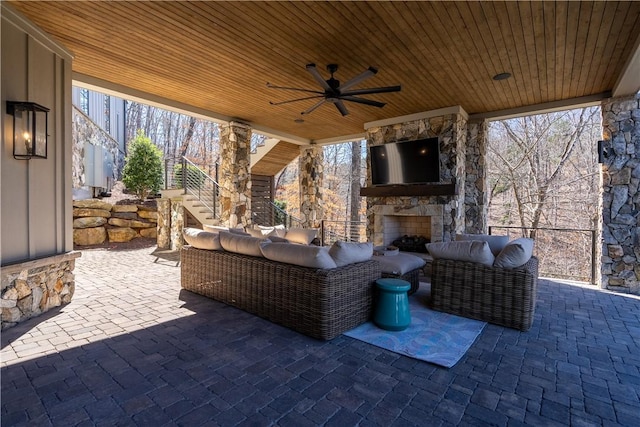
(410, 190)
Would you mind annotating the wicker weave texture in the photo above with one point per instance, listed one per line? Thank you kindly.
(501, 296)
(413, 277)
(319, 303)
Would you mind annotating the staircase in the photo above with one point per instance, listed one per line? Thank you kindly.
(198, 190)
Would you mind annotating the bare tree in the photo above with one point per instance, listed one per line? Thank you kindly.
(534, 157)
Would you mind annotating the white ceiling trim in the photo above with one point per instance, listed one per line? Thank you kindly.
(417, 116)
(547, 107)
(628, 82)
(340, 139)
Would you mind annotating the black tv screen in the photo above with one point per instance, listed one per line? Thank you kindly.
(407, 162)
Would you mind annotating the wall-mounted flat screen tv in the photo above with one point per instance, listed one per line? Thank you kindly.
(408, 162)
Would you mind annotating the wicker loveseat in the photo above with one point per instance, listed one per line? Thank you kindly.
(320, 303)
(502, 296)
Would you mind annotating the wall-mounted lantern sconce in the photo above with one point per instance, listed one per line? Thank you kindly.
(29, 129)
(603, 151)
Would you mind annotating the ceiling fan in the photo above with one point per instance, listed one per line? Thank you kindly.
(334, 92)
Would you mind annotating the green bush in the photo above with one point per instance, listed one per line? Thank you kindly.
(142, 172)
(195, 177)
(280, 216)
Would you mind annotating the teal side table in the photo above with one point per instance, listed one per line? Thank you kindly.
(392, 305)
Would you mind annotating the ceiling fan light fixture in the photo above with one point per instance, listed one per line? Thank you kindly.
(501, 76)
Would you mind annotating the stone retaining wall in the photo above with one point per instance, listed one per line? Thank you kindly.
(34, 287)
(96, 222)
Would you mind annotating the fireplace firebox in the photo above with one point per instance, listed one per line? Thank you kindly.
(411, 243)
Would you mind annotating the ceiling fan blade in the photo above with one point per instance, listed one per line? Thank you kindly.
(270, 86)
(385, 89)
(341, 107)
(311, 68)
(296, 100)
(309, 110)
(359, 78)
(363, 101)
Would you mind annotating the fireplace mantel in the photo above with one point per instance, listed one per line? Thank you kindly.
(410, 190)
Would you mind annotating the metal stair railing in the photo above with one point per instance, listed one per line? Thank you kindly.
(194, 181)
(344, 230)
(276, 216)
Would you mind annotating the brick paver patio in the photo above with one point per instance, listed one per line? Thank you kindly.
(133, 349)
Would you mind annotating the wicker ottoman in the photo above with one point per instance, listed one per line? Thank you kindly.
(402, 266)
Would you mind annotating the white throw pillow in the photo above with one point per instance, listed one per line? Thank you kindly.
(276, 230)
(472, 251)
(515, 254)
(344, 253)
(214, 228)
(201, 239)
(304, 256)
(496, 243)
(303, 236)
(256, 232)
(239, 231)
(246, 245)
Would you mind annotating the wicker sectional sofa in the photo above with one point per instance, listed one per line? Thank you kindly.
(320, 303)
(502, 296)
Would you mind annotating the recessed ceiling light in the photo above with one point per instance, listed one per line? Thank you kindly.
(299, 120)
(502, 76)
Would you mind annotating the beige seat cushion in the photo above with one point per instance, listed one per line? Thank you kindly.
(399, 264)
(304, 256)
(516, 254)
(344, 253)
(496, 243)
(304, 236)
(472, 251)
(245, 245)
(201, 239)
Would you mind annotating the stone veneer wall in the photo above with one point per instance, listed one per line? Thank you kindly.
(235, 175)
(177, 223)
(476, 197)
(452, 131)
(621, 195)
(311, 173)
(164, 224)
(34, 287)
(95, 222)
(84, 129)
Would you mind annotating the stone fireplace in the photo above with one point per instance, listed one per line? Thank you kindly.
(434, 210)
(393, 221)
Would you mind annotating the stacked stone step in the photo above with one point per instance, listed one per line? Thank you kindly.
(96, 221)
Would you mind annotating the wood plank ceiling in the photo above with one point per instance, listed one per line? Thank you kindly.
(218, 56)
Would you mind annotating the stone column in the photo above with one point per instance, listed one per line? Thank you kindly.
(476, 199)
(177, 223)
(310, 175)
(234, 174)
(621, 194)
(163, 239)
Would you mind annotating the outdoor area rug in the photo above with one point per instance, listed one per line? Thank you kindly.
(432, 336)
